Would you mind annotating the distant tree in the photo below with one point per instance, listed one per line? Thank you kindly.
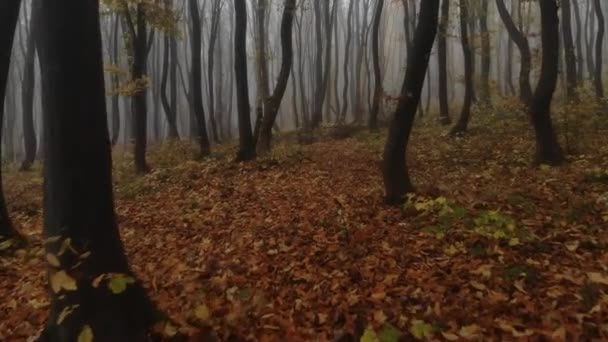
(525, 89)
(272, 103)
(347, 52)
(93, 291)
(216, 11)
(465, 115)
(442, 59)
(396, 178)
(168, 77)
(247, 142)
(548, 150)
(569, 51)
(9, 14)
(379, 91)
(486, 54)
(197, 78)
(27, 89)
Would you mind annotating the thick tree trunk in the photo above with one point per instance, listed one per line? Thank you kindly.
(271, 105)
(396, 178)
(569, 50)
(378, 91)
(525, 89)
(78, 200)
(197, 79)
(246, 139)
(9, 13)
(463, 122)
(599, 59)
(548, 150)
(442, 59)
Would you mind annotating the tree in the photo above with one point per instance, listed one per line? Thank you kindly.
(395, 174)
(216, 11)
(525, 89)
(272, 103)
(27, 89)
(597, 78)
(486, 54)
(349, 24)
(463, 121)
(548, 150)
(246, 140)
(569, 51)
(378, 92)
(197, 79)
(9, 13)
(442, 60)
(89, 278)
(168, 71)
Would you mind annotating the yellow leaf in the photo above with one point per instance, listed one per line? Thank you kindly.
(421, 329)
(66, 312)
(478, 286)
(202, 312)
(369, 335)
(52, 260)
(86, 335)
(597, 278)
(118, 283)
(469, 331)
(62, 281)
(572, 246)
(450, 336)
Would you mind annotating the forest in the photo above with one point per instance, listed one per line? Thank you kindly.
(303, 170)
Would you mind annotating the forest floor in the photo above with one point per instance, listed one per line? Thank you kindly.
(300, 246)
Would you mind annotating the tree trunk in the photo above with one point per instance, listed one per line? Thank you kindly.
(78, 200)
(548, 150)
(486, 58)
(197, 79)
(442, 59)
(140, 106)
(463, 122)
(569, 51)
(349, 29)
(271, 104)
(215, 26)
(246, 139)
(579, 43)
(525, 89)
(10, 15)
(115, 84)
(599, 60)
(27, 90)
(378, 91)
(395, 174)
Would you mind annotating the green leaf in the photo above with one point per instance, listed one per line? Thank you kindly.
(369, 335)
(86, 335)
(421, 329)
(389, 334)
(118, 283)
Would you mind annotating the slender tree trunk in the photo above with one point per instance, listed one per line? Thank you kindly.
(599, 59)
(197, 80)
(442, 56)
(579, 43)
(486, 54)
(347, 53)
(27, 90)
(525, 89)
(246, 139)
(9, 12)
(395, 174)
(140, 106)
(115, 84)
(271, 105)
(548, 150)
(215, 26)
(378, 91)
(78, 199)
(569, 51)
(463, 123)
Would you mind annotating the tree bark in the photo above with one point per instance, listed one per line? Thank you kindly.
(486, 58)
(271, 104)
(463, 122)
(78, 199)
(525, 89)
(569, 51)
(599, 60)
(395, 174)
(197, 79)
(349, 34)
(378, 91)
(246, 140)
(9, 14)
(548, 150)
(442, 59)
